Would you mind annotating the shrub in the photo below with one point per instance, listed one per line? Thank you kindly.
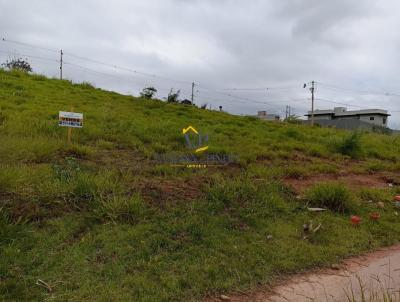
(148, 93)
(350, 145)
(173, 96)
(18, 64)
(333, 196)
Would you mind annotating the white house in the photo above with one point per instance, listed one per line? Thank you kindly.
(377, 117)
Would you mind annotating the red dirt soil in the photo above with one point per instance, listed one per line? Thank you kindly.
(171, 191)
(352, 180)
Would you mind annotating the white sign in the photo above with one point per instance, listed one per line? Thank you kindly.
(70, 119)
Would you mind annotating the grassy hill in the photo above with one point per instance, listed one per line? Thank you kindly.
(101, 219)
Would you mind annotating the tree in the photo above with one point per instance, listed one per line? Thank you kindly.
(18, 64)
(148, 93)
(173, 96)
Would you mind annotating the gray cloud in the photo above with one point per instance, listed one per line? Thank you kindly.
(219, 44)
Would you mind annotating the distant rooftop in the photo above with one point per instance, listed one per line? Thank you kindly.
(342, 111)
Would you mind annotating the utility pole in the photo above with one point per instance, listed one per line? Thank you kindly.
(312, 89)
(193, 92)
(288, 111)
(61, 64)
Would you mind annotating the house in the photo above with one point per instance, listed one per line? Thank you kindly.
(263, 115)
(377, 117)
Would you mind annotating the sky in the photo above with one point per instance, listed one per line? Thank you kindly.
(245, 56)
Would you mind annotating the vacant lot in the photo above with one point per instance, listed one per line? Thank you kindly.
(101, 219)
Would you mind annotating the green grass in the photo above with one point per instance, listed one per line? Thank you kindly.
(350, 145)
(101, 218)
(333, 196)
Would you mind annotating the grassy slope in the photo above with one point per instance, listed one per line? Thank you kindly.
(99, 218)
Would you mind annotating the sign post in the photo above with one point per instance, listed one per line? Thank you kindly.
(70, 120)
(69, 134)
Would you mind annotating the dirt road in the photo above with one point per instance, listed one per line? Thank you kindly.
(374, 274)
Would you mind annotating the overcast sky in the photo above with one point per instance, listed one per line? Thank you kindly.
(220, 45)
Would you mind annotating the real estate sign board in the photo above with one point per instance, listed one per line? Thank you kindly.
(70, 119)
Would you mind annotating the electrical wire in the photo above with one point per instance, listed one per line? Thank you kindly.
(275, 105)
(364, 92)
(93, 71)
(29, 45)
(338, 103)
(124, 68)
(263, 88)
(30, 56)
(232, 96)
(67, 53)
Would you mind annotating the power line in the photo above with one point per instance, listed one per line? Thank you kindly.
(234, 96)
(243, 99)
(365, 92)
(125, 68)
(252, 99)
(263, 88)
(104, 74)
(99, 73)
(338, 103)
(30, 56)
(258, 95)
(275, 105)
(329, 86)
(144, 73)
(92, 70)
(97, 62)
(28, 45)
(96, 72)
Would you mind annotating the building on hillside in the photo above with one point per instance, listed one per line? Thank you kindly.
(263, 115)
(377, 117)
